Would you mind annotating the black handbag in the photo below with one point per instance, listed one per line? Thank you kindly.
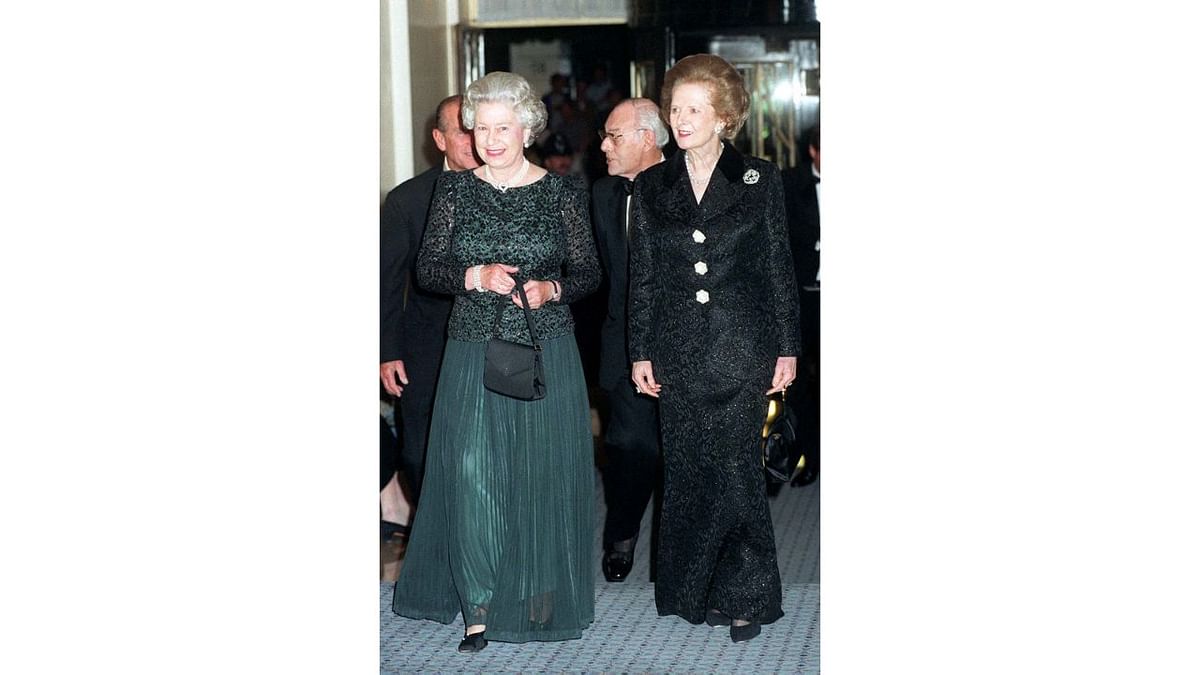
(511, 368)
(782, 456)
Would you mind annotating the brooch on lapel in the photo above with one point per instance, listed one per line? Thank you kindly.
(750, 177)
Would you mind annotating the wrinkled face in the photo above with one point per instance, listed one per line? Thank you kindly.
(499, 136)
(692, 117)
(456, 141)
(624, 145)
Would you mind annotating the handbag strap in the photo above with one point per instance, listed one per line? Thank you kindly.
(500, 303)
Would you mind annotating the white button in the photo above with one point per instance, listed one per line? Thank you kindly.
(698, 236)
(701, 268)
(702, 296)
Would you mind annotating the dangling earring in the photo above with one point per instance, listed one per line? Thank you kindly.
(719, 129)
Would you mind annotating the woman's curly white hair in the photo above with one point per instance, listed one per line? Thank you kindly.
(512, 90)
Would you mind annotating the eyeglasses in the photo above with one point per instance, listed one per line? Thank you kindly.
(604, 135)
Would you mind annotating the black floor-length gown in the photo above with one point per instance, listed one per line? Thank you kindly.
(712, 307)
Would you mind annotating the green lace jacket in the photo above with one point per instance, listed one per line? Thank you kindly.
(543, 228)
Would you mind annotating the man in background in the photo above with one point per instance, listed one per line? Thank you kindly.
(412, 321)
(557, 155)
(802, 198)
(633, 138)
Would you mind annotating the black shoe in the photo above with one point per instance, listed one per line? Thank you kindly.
(616, 565)
(717, 618)
(388, 530)
(743, 633)
(473, 643)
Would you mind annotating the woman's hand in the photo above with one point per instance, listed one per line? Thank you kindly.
(643, 379)
(538, 292)
(496, 277)
(785, 374)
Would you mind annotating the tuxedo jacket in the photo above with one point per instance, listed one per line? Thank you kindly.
(804, 221)
(415, 329)
(711, 285)
(608, 220)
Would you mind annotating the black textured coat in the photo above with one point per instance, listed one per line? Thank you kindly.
(749, 319)
(715, 361)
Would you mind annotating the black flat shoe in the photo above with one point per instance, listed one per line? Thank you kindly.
(616, 565)
(743, 633)
(716, 618)
(473, 643)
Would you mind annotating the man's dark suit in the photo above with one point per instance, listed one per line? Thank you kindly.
(631, 436)
(413, 330)
(804, 223)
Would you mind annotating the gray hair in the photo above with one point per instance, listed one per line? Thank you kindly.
(648, 117)
(511, 90)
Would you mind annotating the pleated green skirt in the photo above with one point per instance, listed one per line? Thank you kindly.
(504, 531)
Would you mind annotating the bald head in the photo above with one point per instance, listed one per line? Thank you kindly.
(635, 134)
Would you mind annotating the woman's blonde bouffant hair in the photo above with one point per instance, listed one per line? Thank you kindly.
(512, 90)
(727, 90)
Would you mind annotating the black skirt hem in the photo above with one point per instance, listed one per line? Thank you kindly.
(771, 615)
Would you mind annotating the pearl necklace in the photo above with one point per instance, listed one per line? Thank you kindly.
(687, 158)
(503, 187)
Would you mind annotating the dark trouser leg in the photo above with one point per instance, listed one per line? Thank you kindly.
(809, 404)
(388, 454)
(416, 409)
(632, 448)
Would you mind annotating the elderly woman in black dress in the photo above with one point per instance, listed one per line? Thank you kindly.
(504, 533)
(712, 332)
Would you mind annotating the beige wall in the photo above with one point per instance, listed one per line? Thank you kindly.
(395, 107)
(432, 56)
(418, 60)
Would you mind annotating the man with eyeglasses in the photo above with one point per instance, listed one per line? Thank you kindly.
(632, 141)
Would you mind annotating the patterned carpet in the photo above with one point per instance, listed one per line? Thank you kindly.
(628, 636)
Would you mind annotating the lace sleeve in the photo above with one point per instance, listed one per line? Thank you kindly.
(641, 277)
(785, 300)
(581, 272)
(437, 270)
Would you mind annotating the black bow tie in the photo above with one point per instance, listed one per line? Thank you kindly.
(816, 179)
(627, 185)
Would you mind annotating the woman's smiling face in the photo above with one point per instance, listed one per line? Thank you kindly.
(499, 136)
(693, 118)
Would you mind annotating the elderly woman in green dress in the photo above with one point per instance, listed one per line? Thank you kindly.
(504, 533)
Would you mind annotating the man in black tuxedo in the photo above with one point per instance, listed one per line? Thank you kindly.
(802, 193)
(633, 138)
(412, 321)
